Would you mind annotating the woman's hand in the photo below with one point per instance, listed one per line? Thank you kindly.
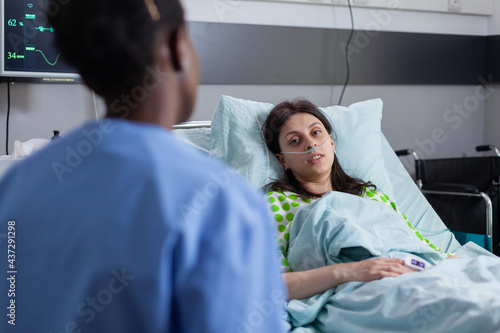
(311, 282)
(372, 269)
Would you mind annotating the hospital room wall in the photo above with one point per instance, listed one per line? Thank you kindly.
(492, 105)
(494, 20)
(417, 117)
(437, 121)
(423, 118)
(492, 117)
(38, 109)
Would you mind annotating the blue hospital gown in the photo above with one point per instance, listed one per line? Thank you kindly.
(119, 227)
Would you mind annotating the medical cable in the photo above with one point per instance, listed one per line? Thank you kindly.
(312, 150)
(8, 117)
(197, 147)
(95, 106)
(347, 53)
(431, 232)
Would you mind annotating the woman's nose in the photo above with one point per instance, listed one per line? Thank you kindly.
(310, 145)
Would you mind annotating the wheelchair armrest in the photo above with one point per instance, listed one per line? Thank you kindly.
(464, 190)
(419, 163)
(403, 152)
(484, 148)
(488, 148)
(451, 187)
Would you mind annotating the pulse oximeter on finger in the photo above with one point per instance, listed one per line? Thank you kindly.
(415, 264)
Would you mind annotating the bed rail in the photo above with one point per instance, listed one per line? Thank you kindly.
(194, 124)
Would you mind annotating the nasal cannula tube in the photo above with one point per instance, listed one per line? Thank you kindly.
(305, 152)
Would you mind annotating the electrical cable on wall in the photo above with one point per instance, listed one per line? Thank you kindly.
(8, 116)
(347, 53)
(95, 106)
(1, 81)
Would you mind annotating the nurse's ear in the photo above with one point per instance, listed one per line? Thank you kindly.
(180, 67)
(176, 49)
(168, 51)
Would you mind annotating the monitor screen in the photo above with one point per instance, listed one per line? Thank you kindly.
(27, 42)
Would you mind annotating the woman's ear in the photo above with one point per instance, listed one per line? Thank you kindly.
(281, 159)
(333, 143)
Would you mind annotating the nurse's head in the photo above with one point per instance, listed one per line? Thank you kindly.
(134, 53)
(301, 137)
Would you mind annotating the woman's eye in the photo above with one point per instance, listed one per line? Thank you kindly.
(317, 132)
(294, 141)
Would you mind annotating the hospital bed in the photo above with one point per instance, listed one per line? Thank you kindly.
(449, 291)
(234, 136)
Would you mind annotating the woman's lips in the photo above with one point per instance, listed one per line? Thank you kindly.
(316, 158)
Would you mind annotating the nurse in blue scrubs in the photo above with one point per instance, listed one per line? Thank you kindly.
(119, 227)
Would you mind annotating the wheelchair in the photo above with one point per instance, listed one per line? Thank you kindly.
(464, 192)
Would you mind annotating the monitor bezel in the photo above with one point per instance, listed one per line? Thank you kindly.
(45, 76)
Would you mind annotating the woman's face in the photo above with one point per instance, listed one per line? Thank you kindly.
(300, 133)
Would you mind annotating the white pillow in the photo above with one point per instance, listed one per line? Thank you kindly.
(237, 139)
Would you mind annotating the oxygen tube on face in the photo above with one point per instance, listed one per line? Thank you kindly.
(312, 150)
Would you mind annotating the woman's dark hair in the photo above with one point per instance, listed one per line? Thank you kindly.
(278, 116)
(111, 42)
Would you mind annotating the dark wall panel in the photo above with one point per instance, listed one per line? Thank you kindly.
(257, 54)
(493, 59)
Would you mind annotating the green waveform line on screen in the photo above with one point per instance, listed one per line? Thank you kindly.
(42, 29)
(50, 63)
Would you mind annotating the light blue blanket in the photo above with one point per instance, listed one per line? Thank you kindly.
(456, 295)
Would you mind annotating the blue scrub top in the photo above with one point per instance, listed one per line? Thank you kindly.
(120, 227)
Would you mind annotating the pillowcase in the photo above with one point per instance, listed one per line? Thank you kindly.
(237, 139)
(358, 142)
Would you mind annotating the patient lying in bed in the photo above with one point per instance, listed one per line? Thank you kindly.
(332, 239)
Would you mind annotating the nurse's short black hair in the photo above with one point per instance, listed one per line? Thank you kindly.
(111, 42)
